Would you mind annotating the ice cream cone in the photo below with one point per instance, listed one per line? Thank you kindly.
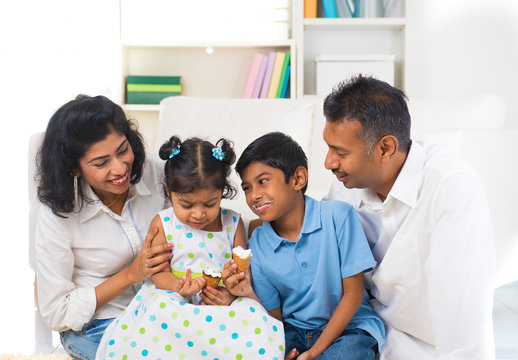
(211, 280)
(242, 264)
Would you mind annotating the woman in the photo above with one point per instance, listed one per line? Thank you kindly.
(100, 196)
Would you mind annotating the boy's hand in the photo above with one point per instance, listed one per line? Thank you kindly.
(305, 356)
(188, 286)
(292, 354)
(216, 296)
(238, 284)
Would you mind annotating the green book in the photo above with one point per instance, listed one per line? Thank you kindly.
(138, 79)
(283, 75)
(163, 88)
(149, 98)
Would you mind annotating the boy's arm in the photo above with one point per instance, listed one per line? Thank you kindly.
(240, 238)
(347, 307)
(276, 313)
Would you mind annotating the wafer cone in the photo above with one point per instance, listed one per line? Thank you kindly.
(211, 281)
(242, 264)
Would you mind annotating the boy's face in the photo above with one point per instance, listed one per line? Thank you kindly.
(267, 193)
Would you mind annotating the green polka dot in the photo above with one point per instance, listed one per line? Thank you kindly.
(240, 299)
(179, 246)
(155, 339)
(168, 348)
(124, 326)
(169, 237)
(257, 331)
(191, 255)
(270, 339)
(221, 246)
(219, 307)
(245, 322)
(142, 330)
(239, 357)
(181, 356)
(199, 332)
(162, 305)
(227, 256)
(226, 349)
(210, 235)
(230, 228)
(203, 265)
(212, 341)
(124, 357)
(186, 323)
(174, 315)
(281, 348)
(125, 338)
(232, 313)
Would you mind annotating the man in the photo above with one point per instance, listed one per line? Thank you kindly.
(425, 215)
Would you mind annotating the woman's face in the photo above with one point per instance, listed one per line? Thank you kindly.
(106, 165)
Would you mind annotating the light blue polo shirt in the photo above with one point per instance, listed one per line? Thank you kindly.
(304, 277)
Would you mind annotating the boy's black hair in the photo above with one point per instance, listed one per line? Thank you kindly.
(277, 150)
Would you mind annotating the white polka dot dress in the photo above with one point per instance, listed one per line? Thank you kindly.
(160, 324)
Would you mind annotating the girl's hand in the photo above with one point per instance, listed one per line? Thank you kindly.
(216, 296)
(188, 286)
(292, 354)
(238, 284)
(150, 260)
(305, 356)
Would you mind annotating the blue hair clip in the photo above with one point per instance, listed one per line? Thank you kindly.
(218, 153)
(174, 152)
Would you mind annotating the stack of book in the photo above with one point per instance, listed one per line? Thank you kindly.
(269, 76)
(152, 89)
(333, 8)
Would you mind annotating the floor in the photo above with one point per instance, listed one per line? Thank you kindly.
(505, 319)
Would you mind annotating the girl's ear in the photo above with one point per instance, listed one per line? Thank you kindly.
(299, 179)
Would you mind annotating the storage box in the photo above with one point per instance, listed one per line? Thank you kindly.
(333, 68)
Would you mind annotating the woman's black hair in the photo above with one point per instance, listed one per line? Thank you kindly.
(74, 127)
(194, 165)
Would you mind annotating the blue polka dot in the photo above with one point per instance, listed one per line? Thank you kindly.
(164, 326)
(234, 218)
(274, 328)
(182, 264)
(133, 344)
(167, 218)
(210, 255)
(111, 342)
(178, 227)
(196, 311)
(136, 312)
(203, 353)
(189, 235)
(178, 335)
(275, 358)
(201, 245)
(265, 318)
(252, 309)
(138, 297)
(235, 336)
(152, 318)
(112, 354)
(261, 351)
(249, 344)
(224, 212)
(181, 303)
(208, 318)
(190, 344)
(144, 352)
(222, 327)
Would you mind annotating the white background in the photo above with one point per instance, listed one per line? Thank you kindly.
(52, 50)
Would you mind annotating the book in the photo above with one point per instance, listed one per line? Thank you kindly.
(252, 76)
(283, 74)
(342, 9)
(276, 74)
(268, 75)
(260, 77)
(329, 8)
(285, 86)
(310, 8)
(163, 88)
(138, 79)
(148, 98)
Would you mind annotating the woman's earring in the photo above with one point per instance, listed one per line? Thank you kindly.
(76, 191)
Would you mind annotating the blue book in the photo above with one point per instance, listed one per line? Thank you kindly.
(330, 8)
(286, 82)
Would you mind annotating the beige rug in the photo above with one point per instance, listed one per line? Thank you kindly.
(34, 357)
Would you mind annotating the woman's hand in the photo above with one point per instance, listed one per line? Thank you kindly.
(238, 284)
(216, 296)
(151, 260)
(188, 286)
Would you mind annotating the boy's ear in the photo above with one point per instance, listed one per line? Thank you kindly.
(299, 179)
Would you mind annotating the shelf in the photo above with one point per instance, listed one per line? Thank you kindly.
(145, 108)
(245, 44)
(355, 23)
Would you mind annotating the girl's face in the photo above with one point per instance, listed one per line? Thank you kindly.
(198, 209)
(106, 165)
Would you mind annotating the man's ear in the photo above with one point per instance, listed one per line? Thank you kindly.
(299, 179)
(387, 146)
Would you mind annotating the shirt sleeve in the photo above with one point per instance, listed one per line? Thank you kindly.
(460, 270)
(354, 250)
(62, 305)
(264, 289)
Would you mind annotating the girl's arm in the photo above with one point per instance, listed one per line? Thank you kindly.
(163, 279)
(347, 307)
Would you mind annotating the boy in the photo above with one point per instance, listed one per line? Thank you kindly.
(308, 258)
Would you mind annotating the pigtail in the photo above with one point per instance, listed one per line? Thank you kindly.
(169, 147)
(228, 149)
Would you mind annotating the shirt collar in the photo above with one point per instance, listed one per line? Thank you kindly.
(91, 208)
(312, 222)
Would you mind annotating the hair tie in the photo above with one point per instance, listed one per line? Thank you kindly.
(174, 152)
(218, 153)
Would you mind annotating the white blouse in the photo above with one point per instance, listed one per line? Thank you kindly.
(433, 242)
(77, 253)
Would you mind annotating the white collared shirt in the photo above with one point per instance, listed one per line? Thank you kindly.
(77, 253)
(433, 242)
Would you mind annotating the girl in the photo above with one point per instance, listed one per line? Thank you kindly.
(98, 192)
(167, 318)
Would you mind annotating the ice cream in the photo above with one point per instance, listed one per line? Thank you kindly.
(241, 258)
(211, 277)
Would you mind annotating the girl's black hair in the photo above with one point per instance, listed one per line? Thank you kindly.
(195, 167)
(75, 127)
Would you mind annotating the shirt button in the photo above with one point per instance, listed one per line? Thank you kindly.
(304, 265)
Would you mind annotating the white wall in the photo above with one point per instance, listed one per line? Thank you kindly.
(463, 47)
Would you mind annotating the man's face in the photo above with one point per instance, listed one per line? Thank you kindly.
(347, 156)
